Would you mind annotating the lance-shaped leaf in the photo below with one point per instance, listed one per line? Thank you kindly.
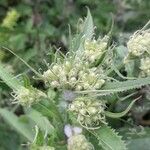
(114, 87)
(9, 79)
(41, 121)
(121, 114)
(14, 121)
(88, 27)
(109, 139)
(86, 33)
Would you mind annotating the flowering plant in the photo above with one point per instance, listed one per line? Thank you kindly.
(81, 88)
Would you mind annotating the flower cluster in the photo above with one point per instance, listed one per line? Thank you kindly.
(145, 66)
(27, 97)
(10, 19)
(74, 76)
(89, 112)
(139, 43)
(139, 48)
(78, 71)
(93, 50)
(79, 142)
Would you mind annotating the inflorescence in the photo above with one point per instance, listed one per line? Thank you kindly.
(76, 72)
(139, 48)
(27, 97)
(89, 112)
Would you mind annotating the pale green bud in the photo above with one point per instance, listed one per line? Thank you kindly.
(83, 111)
(139, 43)
(92, 110)
(86, 86)
(27, 97)
(89, 112)
(73, 79)
(56, 68)
(79, 87)
(49, 75)
(54, 84)
(94, 49)
(145, 66)
(79, 142)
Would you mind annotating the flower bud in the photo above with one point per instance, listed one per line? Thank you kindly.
(79, 142)
(73, 80)
(83, 111)
(79, 87)
(94, 49)
(89, 112)
(54, 84)
(92, 110)
(145, 66)
(27, 97)
(139, 43)
(49, 75)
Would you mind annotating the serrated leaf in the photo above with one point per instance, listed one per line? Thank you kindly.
(19, 126)
(126, 85)
(9, 79)
(136, 139)
(88, 28)
(109, 139)
(114, 87)
(86, 33)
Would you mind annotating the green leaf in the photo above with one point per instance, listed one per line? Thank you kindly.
(121, 114)
(19, 126)
(88, 27)
(41, 121)
(7, 135)
(109, 139)
(126, 85)
(114, 87)
(86, 33)
(8, 78)
(137, 138)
